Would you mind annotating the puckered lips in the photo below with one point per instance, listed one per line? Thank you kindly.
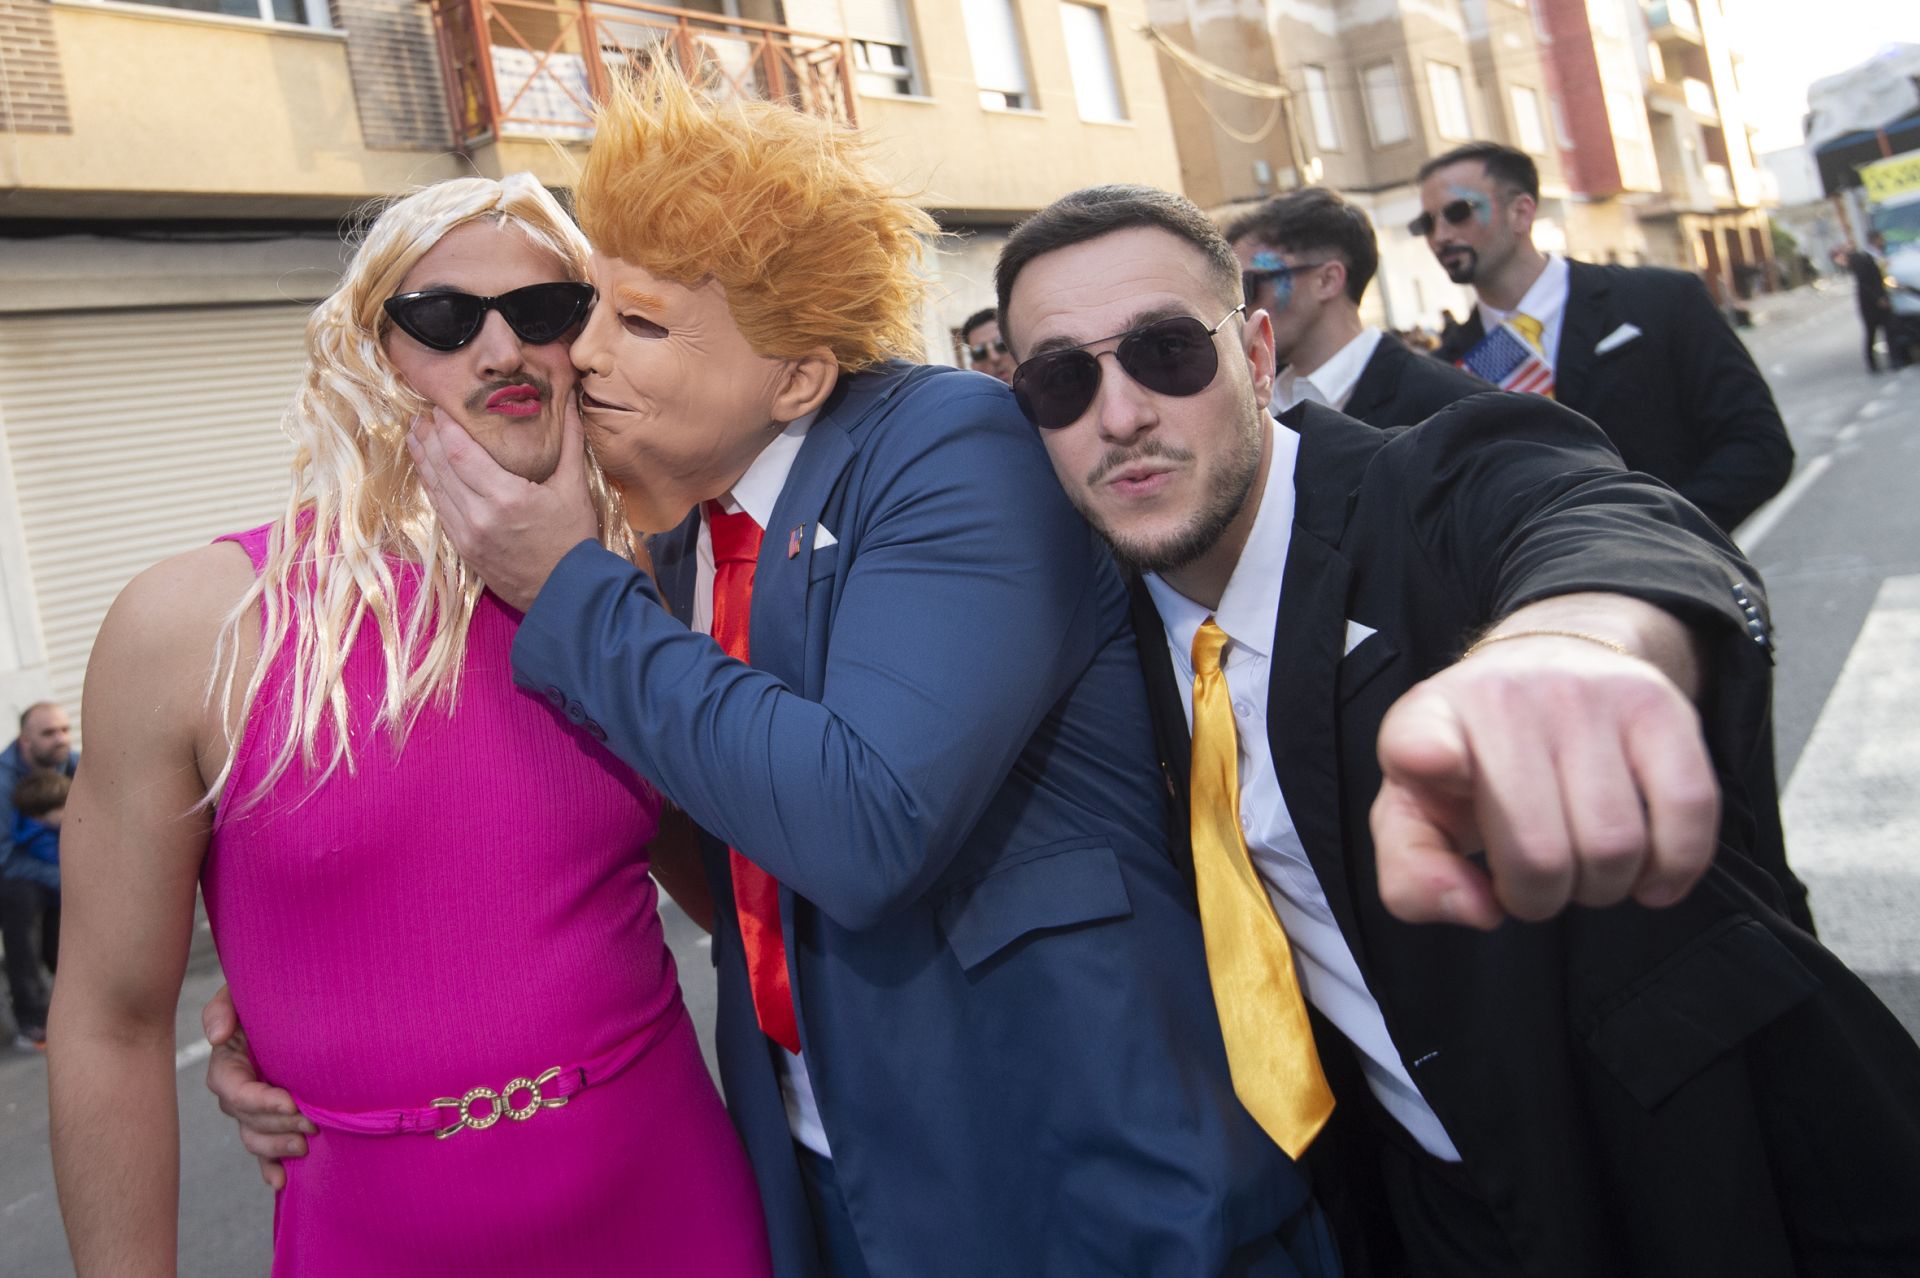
(594, 404)
(519, 400)
(1142, 478)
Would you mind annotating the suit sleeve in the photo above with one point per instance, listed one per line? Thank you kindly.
(1746, 457)
(951, 638)
(1516, 499)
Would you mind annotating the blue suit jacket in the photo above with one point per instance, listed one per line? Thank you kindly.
(942, 750)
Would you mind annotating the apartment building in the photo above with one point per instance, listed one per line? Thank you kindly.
(176, 177)
(1373, 88)
(1710, 213)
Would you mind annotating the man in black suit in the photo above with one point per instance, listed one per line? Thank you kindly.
(1475, 672)
(1870, 293)
(1306, 259)
(1641, 351)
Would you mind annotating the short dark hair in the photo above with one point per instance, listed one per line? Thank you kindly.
(1315, 220)
(978, 318)
(40, 792)
(1503, 164)
(1094, 211)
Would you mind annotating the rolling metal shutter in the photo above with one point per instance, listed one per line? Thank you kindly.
(134, 435)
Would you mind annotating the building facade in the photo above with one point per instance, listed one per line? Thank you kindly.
(177, 187)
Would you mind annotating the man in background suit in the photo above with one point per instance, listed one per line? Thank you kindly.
(964, 1026)
(1307, 258)
(1586, 1086)
(1641, 351)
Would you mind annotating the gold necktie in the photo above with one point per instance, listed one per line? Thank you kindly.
(1531, 329)
(1263, 1017)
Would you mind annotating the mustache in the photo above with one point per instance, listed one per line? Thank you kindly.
(1118, 457)
(477, 402)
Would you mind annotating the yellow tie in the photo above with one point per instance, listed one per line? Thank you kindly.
(1263, 1017)
(1530, 328)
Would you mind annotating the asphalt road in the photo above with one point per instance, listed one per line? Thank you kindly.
(1840, 553)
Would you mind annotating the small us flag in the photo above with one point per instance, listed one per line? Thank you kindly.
(1510, 362)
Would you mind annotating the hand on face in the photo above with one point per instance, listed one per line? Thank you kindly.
(510, 530)
(1581, 774)
(509, 394)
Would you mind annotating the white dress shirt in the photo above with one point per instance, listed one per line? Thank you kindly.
(1328, 974)
(1546, 301)
(1332, 383)
(756, 492)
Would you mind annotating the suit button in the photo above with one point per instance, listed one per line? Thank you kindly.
(595, 731)
(555, 697)
(576, 713)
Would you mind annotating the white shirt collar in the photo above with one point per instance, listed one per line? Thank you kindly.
(1545, 301)
(1251, 602)
(758, 490)
(1332, 383)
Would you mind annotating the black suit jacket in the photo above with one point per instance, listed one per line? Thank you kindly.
(1400, 388)
(1676, 1093)
(1682, 401)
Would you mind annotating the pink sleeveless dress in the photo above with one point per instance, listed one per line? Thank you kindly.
(472, 911)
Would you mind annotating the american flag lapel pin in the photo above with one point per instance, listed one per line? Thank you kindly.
(793, 541)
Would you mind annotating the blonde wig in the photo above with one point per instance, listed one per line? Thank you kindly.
(813, 246)
(356, 502)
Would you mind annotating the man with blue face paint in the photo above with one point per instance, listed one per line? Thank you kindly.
(1307, 258)
(1640, 350)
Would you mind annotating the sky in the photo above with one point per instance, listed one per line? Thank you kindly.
(1785, 52)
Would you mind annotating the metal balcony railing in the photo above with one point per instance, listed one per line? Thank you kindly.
(536, 68)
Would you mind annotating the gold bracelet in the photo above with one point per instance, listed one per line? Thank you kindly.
(1484, 640)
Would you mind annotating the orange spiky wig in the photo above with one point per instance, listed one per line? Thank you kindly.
(813, 247)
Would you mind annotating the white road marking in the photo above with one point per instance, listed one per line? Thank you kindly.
(18, 1203)
(1875, 406)
(1762, 521)
(1849, 434)
(192, 1054)
(1852, 808)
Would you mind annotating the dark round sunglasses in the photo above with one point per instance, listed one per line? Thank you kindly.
(1455, 211)
(980, 352)
(1251, 280)
(446, 319)
(1169, 357)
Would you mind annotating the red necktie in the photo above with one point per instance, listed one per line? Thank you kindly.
(756, 895)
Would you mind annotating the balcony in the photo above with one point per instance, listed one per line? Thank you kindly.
(1675, 21)
(1699, 96)
(528, 69)
(1719, 183)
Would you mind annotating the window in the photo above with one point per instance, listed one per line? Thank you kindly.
(1449, 91)
(1326, 135)
(304, 13)
(999, 66)
(1386, 111)
(882, 47)
(1526, 120)
(1096, 82)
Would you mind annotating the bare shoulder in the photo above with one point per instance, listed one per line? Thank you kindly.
(178, 606)
(154, 655)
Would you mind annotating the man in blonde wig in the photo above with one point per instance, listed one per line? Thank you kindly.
(429, 894)
(964, 1020)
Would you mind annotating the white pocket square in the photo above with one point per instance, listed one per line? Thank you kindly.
(1617, 338)
(1357, 634)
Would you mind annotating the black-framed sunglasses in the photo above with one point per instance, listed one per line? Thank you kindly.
(1169, 357)
(1456, 212)
(447, 319)
(1251, 280)
(980, 352)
